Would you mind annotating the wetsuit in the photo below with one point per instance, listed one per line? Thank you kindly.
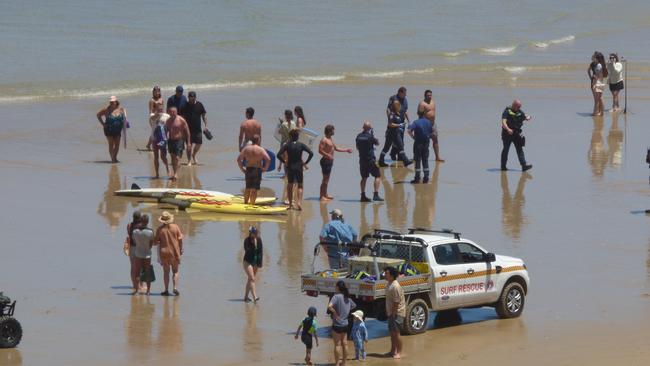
(294, 162)
(515, 121)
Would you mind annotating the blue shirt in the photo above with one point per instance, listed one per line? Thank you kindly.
(179, 103)
(359, 331)
(337, 231)
(422, 130)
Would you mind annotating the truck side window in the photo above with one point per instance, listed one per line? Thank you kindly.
(446, 254)
(470, 253)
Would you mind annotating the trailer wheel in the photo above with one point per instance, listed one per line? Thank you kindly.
(10, 332)
(417, 317)
(511, 302)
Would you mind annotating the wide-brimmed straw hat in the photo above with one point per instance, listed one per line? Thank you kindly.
(166, 218)
(113, 98)
(358, 314)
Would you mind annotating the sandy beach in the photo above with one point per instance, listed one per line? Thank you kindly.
(576, 219)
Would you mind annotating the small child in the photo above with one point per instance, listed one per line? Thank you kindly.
(308, 326)
(359, 336)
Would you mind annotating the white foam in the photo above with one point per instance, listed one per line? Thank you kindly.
(455, 53)
(563, 39)
(516, 70)
(384, 74)
(499, 50)
(323, 78)
(540, 44)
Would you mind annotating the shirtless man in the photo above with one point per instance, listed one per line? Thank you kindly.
(257, 161)
(327, 149)
(178, 136)
(427, 109)
(248, 129)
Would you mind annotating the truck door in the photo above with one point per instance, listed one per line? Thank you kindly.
(449, 272)
(479, 284)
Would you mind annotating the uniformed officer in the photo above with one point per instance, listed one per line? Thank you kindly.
(512, 121)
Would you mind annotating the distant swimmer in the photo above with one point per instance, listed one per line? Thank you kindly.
(177, 100)
(257, 161)
(396, 123)
(294, 166)
(113, 120)
(156, 104)
(159, 139)
(404, 107)
(512, 122)
(366, 143)
(421, 130)
(249, 128)
(194, 112)
(301, 122)
(178, 135)
(428, 105)
(327, 148)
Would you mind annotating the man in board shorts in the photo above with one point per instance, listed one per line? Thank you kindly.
(257, 161)
(326, 148)
(178, 135)
(294, 165)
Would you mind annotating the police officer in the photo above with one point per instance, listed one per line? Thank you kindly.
(421, 130)
(394, 135)
(512, 121)
(366, 143)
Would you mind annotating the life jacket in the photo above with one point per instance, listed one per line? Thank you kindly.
(306, 326)
(407, 269)
(359, 275)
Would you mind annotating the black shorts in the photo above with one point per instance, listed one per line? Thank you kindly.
(326, 166)
(616, 86)
(339, 330)
(307, 339)
(294, 176)
(196, 137)
(369, 168)
(253, 177)
(176, 147)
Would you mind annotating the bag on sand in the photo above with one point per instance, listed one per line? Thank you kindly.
(127, 246)
(148, 275)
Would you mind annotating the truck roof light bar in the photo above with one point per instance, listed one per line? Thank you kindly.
(441, 231)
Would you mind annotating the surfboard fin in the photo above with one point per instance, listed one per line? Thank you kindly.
(135, 186)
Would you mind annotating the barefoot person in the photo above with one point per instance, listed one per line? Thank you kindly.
(294, 166)
(129, 233)
(615, 71)
(178, 135)
(159, 139)
(327, 148)
(339, 307)
(366, 143)
(257, 161)
(193, 113)
(143, 237)
(253, 252)
(114, 119)
(396, 311)
(427, 109)
(156, 104)
(170, 240)
(249, 128)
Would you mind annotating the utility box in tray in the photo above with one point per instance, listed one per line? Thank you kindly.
(365, 263)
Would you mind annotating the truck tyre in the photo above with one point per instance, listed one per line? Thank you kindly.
(417, 317)
(511, 302)
(10, 332)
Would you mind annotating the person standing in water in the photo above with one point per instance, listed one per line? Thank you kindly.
(366, 143)
(114, 120)
(177, 100)
(615, 71)
(512, 121)
(194, 112)
(143, 237)
(257, 161)
(253, 253)
(427, 109)
(394, 136)
(249, 128)
(421, 130)
(170, 239)
(159, 139)
(301, 122)
(178, 136)
(294, 166)
(327, 148)
(404, 106)
(156, 105)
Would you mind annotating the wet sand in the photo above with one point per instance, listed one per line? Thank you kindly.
(576, 219)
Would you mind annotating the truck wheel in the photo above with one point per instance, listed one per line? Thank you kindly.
(10, 332)
(417, 317)
(511, 302)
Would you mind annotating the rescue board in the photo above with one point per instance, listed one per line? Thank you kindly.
(187, 194)
(212, 205)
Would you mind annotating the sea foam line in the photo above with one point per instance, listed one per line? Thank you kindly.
(499, 50)
(545, 44)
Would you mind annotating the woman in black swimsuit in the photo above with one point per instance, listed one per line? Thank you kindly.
(252, 261)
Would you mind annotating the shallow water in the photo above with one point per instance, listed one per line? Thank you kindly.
(573, 218)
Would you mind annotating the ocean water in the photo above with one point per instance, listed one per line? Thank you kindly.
(72, 49)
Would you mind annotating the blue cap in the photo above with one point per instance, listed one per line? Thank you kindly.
(252, 230)
(179, 88)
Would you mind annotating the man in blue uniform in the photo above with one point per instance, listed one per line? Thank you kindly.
(421, 130)
(512, 122)
(366, 143)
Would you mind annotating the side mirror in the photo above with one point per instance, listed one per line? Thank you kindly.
(489, 257)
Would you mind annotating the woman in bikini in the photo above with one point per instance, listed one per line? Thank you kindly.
(156, 105)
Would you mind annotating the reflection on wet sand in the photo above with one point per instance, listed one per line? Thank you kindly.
(251, 336)
(364, 226)
(291, 237)
(112, 208)
(425, 201)
(601, 157)
(11, 357)
(395, 196)
(512, 207)
(138, 326)
(170, 329)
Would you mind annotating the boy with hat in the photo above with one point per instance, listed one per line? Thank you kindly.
(308, 327)
(359, 335)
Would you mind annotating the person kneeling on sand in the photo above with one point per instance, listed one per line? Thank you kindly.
(257, 161)
(170, 240)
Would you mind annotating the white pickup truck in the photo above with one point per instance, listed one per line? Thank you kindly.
(452, 273)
